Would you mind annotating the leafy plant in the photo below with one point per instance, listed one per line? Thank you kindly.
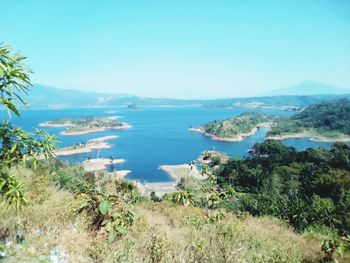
(16, 144)
(184, 198)
(331, 247)
(12, 191)
(105, 213)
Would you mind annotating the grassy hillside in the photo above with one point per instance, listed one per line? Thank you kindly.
(66, 219)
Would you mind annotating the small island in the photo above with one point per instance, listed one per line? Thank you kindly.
(236, 128)
(86, 147)
(85, 125)
(132, 106)
(326, 122)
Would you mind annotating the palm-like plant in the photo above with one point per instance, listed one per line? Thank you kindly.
(15, 143)
(183, 197)
(12, 191)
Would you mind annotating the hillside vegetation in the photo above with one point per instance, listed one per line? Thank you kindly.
(323, 121)
(324, 118)
(243, 123)
(67, 219)
(86, 124)
(55, 212)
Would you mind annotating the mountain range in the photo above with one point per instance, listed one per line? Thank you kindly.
(300, 95)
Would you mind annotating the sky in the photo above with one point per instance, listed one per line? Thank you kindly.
(180, 48)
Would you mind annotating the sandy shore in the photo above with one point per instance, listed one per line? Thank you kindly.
(48, 124)
(86, 148)
(176, 172)
(237, 138)
(100, 164)
(93, 130)
(311, 137)
(182, 170)
(105, 138)
(121, 174)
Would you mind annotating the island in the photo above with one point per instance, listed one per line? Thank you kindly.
(85, 125)
(86, 147)
(132, 106)
(235, 128)
(327, 121)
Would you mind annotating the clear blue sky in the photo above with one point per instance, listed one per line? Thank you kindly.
(181, 48)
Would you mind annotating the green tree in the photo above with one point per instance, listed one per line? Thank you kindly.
(15, 143)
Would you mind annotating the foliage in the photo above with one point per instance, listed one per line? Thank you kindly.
(327, 119)
(89, 122)
(331, 247)
(323, 120)
(12, 190)
(184, 198)
(105, 213)
(305, 188)
(231, 127)
(16, 144)
(14, 79)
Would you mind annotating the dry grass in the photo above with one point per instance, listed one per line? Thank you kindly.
(161, 233)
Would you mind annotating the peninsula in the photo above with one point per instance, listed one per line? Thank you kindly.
(91, 145)
(235, 128)
(85, 125)
(327, 122)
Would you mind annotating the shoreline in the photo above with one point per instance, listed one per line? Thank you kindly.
(91, 145)
(100, 164)
(48, 124)
(86, 148)
(101, 129)
(236, 138)
(104, 138)
(179, 171)
(311, 137)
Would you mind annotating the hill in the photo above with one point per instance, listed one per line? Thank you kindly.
(68, 220)
(48, 97)
(235, 128)
(325, 121)
(308, 88)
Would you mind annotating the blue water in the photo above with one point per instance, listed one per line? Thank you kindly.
(158, 136)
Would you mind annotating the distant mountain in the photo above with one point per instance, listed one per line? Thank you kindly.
(308, 88)
(47, 97)
(41, 96)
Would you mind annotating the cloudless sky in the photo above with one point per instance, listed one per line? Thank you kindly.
(180, 48)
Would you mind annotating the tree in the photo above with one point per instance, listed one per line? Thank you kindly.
(16, 144)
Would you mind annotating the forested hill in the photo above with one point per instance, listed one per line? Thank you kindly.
(323, 121)
(333, 115)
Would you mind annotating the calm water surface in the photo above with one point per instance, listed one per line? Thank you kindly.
(159, 136)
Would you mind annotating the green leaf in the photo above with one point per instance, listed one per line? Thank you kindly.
(121, 229)
(111, 237)
(105, 206)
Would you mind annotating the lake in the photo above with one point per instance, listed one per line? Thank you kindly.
(158, 136)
